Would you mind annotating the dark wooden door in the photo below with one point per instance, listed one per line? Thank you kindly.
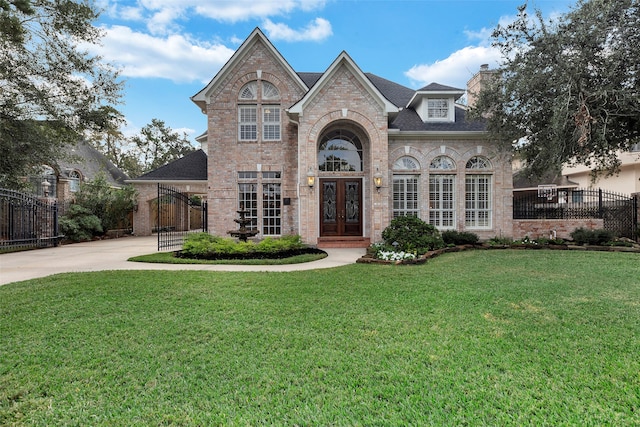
(341, 207)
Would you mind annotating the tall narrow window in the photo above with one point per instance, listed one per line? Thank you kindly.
(478, 189)
(271, 203)
(271, 123)
(442, 197)
(405, 195)
(248, 123)
(442, 212)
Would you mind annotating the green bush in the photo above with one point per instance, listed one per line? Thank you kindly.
(79, 224)
(411, 234)
(582, 236)
(207, 246)
(111, 205)
(454, 237)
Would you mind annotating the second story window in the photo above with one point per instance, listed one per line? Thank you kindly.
(259, 112)
(437, 109)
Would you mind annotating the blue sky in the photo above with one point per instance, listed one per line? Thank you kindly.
(167, 50)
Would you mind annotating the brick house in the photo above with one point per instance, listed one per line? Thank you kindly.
(334, 156)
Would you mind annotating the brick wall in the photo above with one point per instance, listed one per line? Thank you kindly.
(537, 228)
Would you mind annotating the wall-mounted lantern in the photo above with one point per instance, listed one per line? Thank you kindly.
(377, 179)
(311, 178)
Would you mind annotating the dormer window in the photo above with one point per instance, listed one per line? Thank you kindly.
(438, 109)
(436, 103)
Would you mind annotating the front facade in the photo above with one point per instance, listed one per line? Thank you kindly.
(334, 156)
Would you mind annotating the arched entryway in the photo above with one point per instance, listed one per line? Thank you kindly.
(341, 169)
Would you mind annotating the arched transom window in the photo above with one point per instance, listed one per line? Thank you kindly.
(259, 110)
(478, 162)
(340, 151)
(406, 163)
(442, 163)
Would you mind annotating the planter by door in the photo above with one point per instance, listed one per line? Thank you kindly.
(341, 207)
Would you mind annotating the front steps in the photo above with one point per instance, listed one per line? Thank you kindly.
(343, 242)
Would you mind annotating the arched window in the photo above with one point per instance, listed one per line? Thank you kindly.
(442, 193)
(478, 162)
(340, 151)
(478, 193)
(405, 187)
(259, 111)
(406, 163)
(443, 163)
(74, 181)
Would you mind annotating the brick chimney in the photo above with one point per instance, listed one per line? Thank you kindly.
(474, 85)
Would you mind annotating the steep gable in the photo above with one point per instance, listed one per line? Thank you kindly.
(343, 60)
(202, 98)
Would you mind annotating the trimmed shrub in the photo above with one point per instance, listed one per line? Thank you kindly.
(207, 246)
(454, 237)
(411, 234)
(583, 236)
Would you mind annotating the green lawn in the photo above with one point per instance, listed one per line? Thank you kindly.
(499, 337)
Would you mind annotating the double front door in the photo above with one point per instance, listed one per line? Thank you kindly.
(340, 207)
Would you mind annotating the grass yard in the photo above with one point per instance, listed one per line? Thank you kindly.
(500, 337)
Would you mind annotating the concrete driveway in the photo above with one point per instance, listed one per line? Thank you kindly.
(113, 254)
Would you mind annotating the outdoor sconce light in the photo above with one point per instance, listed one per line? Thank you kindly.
(311, 178)
(377, 180)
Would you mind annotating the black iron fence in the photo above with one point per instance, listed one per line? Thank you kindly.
(619, 212)
(177, 214)
(27, 221)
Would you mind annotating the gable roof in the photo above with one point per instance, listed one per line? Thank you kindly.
(202, 97)
(343, 60)
(409, 121)
(191, 167)
(90, 162)
(434, 89)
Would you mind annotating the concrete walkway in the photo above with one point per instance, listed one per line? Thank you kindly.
(113, 254)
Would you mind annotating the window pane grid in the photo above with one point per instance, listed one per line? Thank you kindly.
(271, 123)
(248, 123)
(405, 196)
(478, 201)
(437, 108)
(442, 201)
(248, 201)
(271, 209)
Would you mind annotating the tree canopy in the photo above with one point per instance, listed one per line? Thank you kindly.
(155, 146)
(52, 90)
(568, 90)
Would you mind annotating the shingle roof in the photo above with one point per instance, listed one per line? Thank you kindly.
(409, 120)
(437, 87)
(90, 162)
(191, 167)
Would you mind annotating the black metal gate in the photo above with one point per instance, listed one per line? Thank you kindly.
(178, 214)
(618, 212)
(27, 221)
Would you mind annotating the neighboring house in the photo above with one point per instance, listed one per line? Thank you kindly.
(334, 156)
(79, 163)
(626, 181)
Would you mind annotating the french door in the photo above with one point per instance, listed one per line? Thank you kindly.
(340, 207)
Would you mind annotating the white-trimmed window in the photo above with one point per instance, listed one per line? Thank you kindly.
(74, 181)
(271, 123)
(270, 199)
(405, 187)
(442, 192)
(442, 212)
(405, 195)
(437, 109)
(478, 193)
(248, 122)
(271, 204)
(259, 112)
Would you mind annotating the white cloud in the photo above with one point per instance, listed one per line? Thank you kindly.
(242, 10)
(317, 30)
(174, 57)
